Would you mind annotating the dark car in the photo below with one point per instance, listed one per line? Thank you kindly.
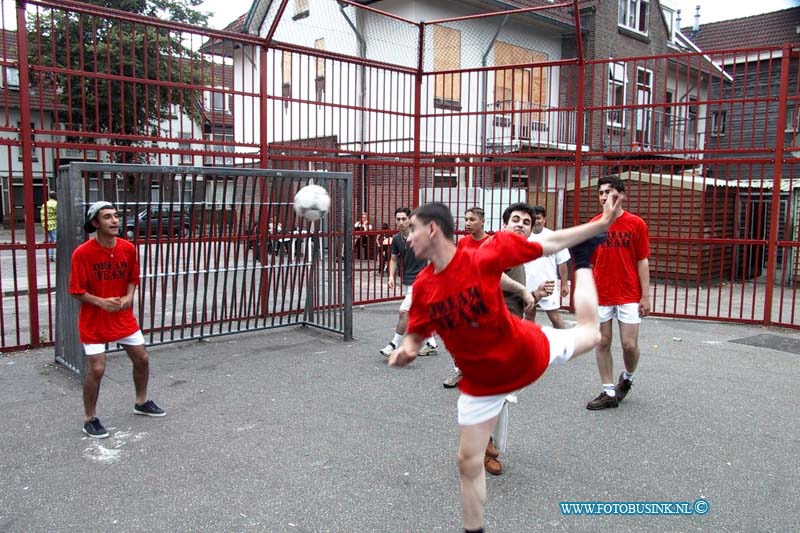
(155, 221)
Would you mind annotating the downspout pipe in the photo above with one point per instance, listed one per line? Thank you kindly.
(362, 97)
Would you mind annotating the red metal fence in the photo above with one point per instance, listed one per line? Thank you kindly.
(456, 110)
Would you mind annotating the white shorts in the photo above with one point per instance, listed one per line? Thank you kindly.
(552, 302)
(406, 305)
(134, 339)
(476, 409)
(625, 313)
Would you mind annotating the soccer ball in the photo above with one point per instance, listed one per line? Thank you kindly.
(312, 202)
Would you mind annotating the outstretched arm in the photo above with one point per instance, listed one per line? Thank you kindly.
(566, 238)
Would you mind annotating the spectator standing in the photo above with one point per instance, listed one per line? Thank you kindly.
(48, 215)
(547, 268)
(622, 271)
(406, 263)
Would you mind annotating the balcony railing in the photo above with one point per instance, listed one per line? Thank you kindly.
(656, 131)
(515, 123)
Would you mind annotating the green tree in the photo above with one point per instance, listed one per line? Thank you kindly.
(115, 77)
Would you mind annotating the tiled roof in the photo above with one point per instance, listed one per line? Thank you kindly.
(237, 25)
(767, 29)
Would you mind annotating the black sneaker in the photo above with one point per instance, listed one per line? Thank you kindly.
(95, 429)
(623, 387)
(148, 408)
(604, 401)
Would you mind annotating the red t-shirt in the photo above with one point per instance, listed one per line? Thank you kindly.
(468, 243)
(616, 260)
(105, 273)
(496, 352)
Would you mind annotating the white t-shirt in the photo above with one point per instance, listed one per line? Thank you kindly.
(545, 268)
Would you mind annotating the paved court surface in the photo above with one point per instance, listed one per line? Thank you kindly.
(295, 430)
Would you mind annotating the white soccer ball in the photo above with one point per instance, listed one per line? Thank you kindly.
(312, 202)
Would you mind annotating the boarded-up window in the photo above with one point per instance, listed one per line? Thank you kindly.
(447, 56)
(525, 85)
(522, 90)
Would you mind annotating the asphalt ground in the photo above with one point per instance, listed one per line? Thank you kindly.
(296, 430)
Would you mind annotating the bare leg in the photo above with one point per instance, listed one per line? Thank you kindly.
(95, 368)
(605, 363)
(629, 336)
(141, 370)
(402, 323)
(556, 319)
(471, 451)
(586, 331)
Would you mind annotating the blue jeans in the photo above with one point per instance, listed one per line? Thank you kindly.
(51, 237)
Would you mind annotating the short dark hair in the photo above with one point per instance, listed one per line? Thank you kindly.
(539, 210)
(476, 211)
(405, 210)
(439, 214)
(616, 183)
(519, 206)
(52, 195)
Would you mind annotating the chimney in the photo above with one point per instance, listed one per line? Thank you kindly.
(696, 26)
(678, 19)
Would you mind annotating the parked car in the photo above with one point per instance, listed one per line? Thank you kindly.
(155, 221)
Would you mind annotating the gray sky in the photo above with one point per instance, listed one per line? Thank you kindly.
(226, 11)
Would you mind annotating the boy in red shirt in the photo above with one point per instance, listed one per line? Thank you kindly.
(459, 296)
(104, 276)
(622, 270)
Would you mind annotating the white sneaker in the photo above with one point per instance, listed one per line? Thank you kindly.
(388, 349)
(428, 350)
(452, 380)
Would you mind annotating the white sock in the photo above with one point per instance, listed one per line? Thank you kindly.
(397, 339)
(432, 341)
(609, 389)
(626, 375)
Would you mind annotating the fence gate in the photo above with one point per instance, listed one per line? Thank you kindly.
(220, 250)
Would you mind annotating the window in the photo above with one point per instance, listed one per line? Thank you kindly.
(34, 157)
(617, 85)
(691, 118)
(319, 80)
(12, 77)
(644, 98)
(793, 119)
(300, 9)
(511, 178)
(216, 100)
(219, 161)
(669, 18)
(634, 15)
(719, 120)
(286, 78)
(446, 56)
(445, 173)
(186, 158)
